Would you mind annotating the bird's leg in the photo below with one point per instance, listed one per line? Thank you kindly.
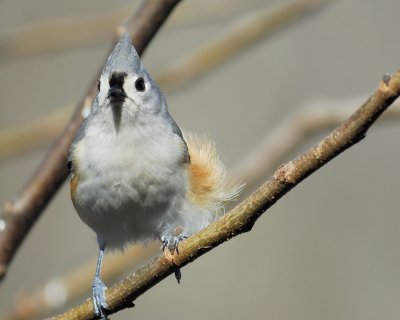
(98, 290)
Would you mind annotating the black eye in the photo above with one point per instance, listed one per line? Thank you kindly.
(139, 84)
(98, 85)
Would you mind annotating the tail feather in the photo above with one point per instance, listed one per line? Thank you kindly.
(211, 184)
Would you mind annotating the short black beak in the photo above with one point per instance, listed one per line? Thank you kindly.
(116, 94)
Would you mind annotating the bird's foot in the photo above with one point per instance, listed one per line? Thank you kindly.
(99, 298)
(172, 243)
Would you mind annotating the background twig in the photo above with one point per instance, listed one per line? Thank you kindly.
(282, 141)
(244, 32)
(59, 291)
(27, 136)
(66, 33)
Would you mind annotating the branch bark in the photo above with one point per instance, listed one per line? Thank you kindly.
(19, 215)
(242, 217)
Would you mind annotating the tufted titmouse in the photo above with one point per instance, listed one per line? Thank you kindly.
(134, 176)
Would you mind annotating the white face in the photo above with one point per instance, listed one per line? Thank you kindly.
(127, 93)
(140, 93)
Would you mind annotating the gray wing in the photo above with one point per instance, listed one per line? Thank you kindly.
(178, 132)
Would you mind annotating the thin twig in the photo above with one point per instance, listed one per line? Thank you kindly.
(19, 214)
(59, 291)
(27, 136)
(242, 35)
(282, 141)
(242, 217)
(54, 35)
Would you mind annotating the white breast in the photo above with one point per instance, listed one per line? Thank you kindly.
(130, 183)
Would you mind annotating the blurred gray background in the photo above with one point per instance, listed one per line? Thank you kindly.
(327, 250)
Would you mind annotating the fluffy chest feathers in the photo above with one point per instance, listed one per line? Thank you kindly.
(133, 155)
(138, 162)
(128, 181)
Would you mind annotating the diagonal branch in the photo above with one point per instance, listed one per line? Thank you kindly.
(19, 215)
(242, 217)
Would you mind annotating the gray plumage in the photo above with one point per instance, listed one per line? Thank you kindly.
(132, 175)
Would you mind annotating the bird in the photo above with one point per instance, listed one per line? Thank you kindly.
(134, 175)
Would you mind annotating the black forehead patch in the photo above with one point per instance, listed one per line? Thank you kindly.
(117, 79)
